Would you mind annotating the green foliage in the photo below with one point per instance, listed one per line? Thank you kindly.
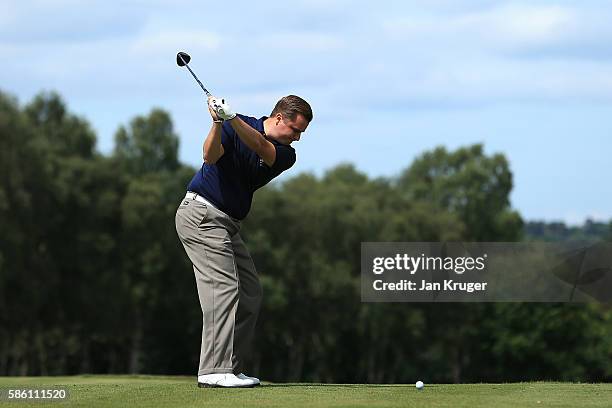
(148, 144)
(591, 231)
(94, 279)
(468, 183)
(65, 134)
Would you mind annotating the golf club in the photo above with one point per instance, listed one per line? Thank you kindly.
(182, 59)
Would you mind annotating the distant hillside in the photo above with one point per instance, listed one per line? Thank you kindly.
(558, 231)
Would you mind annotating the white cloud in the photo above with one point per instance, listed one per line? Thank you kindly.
(362, 65)
(522, 25)
(502, 27)
(64, 21)
(423, 81)
(298, 42)
(412, 58)
(156, 43)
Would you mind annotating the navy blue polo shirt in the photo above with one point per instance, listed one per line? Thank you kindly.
(229, 184)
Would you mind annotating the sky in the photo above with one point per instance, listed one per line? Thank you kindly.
(388, 80)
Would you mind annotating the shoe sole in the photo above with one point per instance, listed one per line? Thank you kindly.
(205, 385)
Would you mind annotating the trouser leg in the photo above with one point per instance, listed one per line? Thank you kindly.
(250, 295)
(207, 241)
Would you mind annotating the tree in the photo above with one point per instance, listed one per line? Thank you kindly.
(467, 183)
(65, 133)
(148, 144)
(57, 229)
(147, 152)
(94, 279)
(305, 237)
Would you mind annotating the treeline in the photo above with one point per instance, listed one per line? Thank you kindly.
(93, 278)
(590, 231)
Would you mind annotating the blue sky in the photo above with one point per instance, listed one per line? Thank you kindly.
(387, 80)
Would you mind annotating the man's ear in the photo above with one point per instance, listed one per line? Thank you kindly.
(278, 117)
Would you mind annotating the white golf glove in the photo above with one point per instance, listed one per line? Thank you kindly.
(221, 108)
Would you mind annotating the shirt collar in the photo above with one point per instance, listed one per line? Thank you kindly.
(260, 124)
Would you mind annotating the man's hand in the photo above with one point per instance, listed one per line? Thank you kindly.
(221, 108)
(213, 149)
(213, 114)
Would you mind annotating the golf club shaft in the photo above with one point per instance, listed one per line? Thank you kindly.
(196, 78)
(194, 75)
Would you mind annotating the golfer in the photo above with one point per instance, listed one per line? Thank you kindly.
(241, 154)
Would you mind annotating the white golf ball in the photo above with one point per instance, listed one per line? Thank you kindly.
(419, 385)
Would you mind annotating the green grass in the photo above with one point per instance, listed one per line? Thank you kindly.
(152, 391)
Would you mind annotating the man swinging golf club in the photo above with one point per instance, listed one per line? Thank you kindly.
(241, 154)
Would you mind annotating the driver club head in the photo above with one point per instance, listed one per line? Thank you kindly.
(182, 59)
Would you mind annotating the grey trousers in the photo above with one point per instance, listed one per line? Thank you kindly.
(227, 282)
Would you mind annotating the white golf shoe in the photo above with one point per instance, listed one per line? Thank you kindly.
(225, 380)
(246, 377)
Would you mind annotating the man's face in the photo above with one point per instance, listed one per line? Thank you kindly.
(287, 131)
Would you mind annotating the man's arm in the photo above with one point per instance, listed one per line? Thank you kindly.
(255, 141)
(213, 149)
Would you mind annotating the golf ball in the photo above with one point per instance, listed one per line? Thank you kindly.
(419, 385)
